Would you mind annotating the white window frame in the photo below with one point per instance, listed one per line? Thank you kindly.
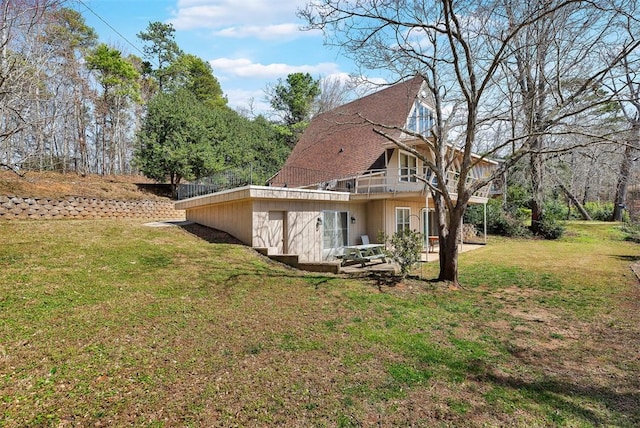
(421, 118)
(336, 238)
(430, 176)
(402, 222)
(429, 221)
(407, 172)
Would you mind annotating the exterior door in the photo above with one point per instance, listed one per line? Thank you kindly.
(334, 233)
(277, 232)
(429, 224)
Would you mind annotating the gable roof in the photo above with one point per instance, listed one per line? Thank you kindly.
(340, 142)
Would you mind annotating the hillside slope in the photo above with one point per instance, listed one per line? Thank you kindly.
(56, 185)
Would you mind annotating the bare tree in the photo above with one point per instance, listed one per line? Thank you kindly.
(46, 97)
(625, 82)
(463, 50)
(22, 64)
(335, 90)
(70, 39)
(558, 65)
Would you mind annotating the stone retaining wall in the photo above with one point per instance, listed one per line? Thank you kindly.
(12, 207)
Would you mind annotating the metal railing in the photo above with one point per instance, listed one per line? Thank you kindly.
(301, 177)
(224, 180)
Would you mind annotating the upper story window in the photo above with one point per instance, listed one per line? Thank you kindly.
(421, 119)
(408, 167)
(430, 176)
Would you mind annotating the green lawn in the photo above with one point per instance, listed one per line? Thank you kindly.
(113, 323)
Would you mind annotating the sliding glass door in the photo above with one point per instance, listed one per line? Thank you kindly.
(334, 233)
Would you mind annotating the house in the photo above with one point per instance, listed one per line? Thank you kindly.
(340, 182)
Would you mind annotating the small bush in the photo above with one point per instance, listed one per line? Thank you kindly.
(554, 209)
(601, 211)
(523, 214)
(517, 197)
(508, 225)
(475, 215)
(499, 222)
(550, 228)
(405, 249)
(631, 232)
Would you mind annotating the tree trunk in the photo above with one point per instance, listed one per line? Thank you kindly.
(623, 180)
(174, 179)
(585, 215)
(81, 131)
(449, 257)
(448, 235)
(537, 190)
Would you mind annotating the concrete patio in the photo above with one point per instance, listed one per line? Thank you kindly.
(426, 257)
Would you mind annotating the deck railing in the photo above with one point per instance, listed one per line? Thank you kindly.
(386, 181)
(368, 182)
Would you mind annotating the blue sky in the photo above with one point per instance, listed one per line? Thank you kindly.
(249, 43)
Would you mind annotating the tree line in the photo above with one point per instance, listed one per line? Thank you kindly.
(67, 101)
(70, 103)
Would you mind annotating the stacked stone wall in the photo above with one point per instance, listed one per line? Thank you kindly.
(13, 207)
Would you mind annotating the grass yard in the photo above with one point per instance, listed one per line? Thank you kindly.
(113, 323)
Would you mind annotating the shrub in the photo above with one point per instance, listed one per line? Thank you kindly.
(550, 228)
(405, 249)
(475, 215)
(499, 222)
(601, 211)
(523, 214)
(554, 209)
(517, 197)
(631, 231)
(509, 225)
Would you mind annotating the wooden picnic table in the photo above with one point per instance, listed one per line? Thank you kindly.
(364, 253)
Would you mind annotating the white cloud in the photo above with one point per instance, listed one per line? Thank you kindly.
(245, 68)
(245, 100)
(219, 14)
(276, 31)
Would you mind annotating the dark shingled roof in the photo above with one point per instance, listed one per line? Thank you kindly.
(340, 142)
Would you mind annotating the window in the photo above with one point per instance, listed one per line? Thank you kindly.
(403, 219)
(429, 223)
(421, 119)
(408, 167)
(430, 176)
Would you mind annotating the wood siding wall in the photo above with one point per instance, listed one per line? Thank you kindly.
(256, 222)
(302, 236)
(415, 219)
(376, 219)
(233, 218)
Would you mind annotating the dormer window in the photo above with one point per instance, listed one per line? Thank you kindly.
(421, 119)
